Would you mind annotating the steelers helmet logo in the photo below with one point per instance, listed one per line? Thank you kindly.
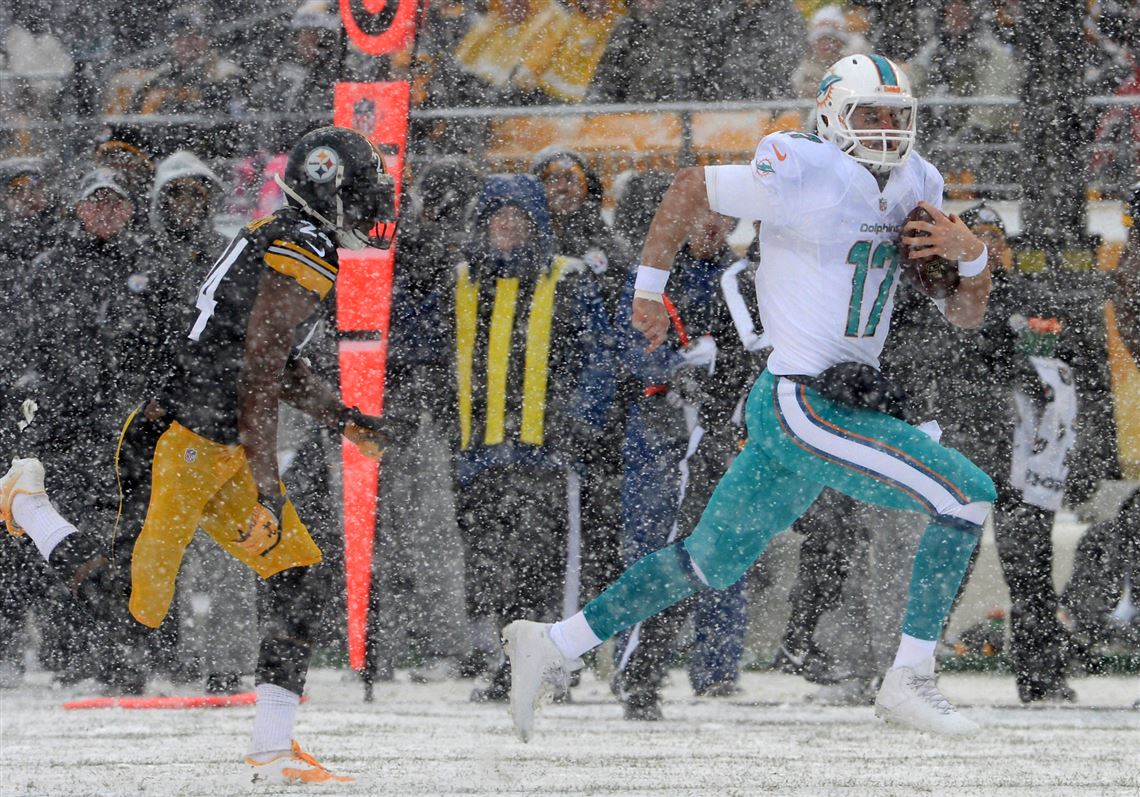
(321, 164)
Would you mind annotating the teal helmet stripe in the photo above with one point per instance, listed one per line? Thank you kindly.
(826, 83)
(886, 71)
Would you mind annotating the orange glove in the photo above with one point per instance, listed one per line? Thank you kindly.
(263, 529)
(367, 432)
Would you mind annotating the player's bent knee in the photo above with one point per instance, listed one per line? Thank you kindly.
(716, 571)
(970, 514)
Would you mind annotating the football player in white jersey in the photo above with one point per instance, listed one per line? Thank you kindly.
(832, 206)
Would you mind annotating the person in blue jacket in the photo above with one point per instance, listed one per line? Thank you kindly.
(533, 386)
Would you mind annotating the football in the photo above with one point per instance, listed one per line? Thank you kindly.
(934, 276)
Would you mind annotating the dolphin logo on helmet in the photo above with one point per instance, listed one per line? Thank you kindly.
(867, 80)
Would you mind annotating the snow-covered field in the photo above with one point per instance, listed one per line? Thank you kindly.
(429, 740)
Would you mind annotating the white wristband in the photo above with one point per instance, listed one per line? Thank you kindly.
(651, 279)
(972, 268)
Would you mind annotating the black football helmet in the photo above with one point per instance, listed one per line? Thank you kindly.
(337, 178)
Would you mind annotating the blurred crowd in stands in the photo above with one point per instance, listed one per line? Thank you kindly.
(226, 68)
(136, 138)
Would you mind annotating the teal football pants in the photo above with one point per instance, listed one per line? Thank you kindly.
(799, 443)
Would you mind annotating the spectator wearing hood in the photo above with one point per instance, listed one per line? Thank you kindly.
(574, 195)
(418, 598)
(93, 309)
(29, 221)
(27, 230)
(183, 202)
(185, 197)
(533, 387)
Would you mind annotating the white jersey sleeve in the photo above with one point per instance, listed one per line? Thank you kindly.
(933, 183)
(767, 189)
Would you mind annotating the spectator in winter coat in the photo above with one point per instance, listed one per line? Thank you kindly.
(95, 337)
(95, 313)
(417, 609)
(185, 197)
(183, 202)
(659, 425)
(27, 225)
(533, 385)
(574, 195)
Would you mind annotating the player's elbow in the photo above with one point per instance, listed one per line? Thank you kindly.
(970, 318)
(690, 180)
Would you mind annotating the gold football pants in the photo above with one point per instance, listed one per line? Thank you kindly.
(197, 483)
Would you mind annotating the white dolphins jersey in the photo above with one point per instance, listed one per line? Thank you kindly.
(828, 245)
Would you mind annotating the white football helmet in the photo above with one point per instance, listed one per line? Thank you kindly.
(867, 81)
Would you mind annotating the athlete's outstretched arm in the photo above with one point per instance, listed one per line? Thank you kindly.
(280, 307)
(671, 224)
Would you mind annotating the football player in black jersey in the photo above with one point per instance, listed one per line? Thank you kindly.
(203, 453)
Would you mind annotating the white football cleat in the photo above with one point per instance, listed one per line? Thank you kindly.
(296, 766)
(25, 477)
(538, 670)
(909, 696)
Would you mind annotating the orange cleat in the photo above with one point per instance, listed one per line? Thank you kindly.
(25, 477)
(296, 766)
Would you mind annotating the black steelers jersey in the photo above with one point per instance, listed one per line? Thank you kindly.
(202, 394)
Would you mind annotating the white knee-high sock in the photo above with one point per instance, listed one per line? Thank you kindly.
(36, 516)
(273, 721)
(573, 636)
(913, 651)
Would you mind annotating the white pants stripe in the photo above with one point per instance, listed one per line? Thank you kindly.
(877, 464)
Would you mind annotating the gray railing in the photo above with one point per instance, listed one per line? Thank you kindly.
(997, 159)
